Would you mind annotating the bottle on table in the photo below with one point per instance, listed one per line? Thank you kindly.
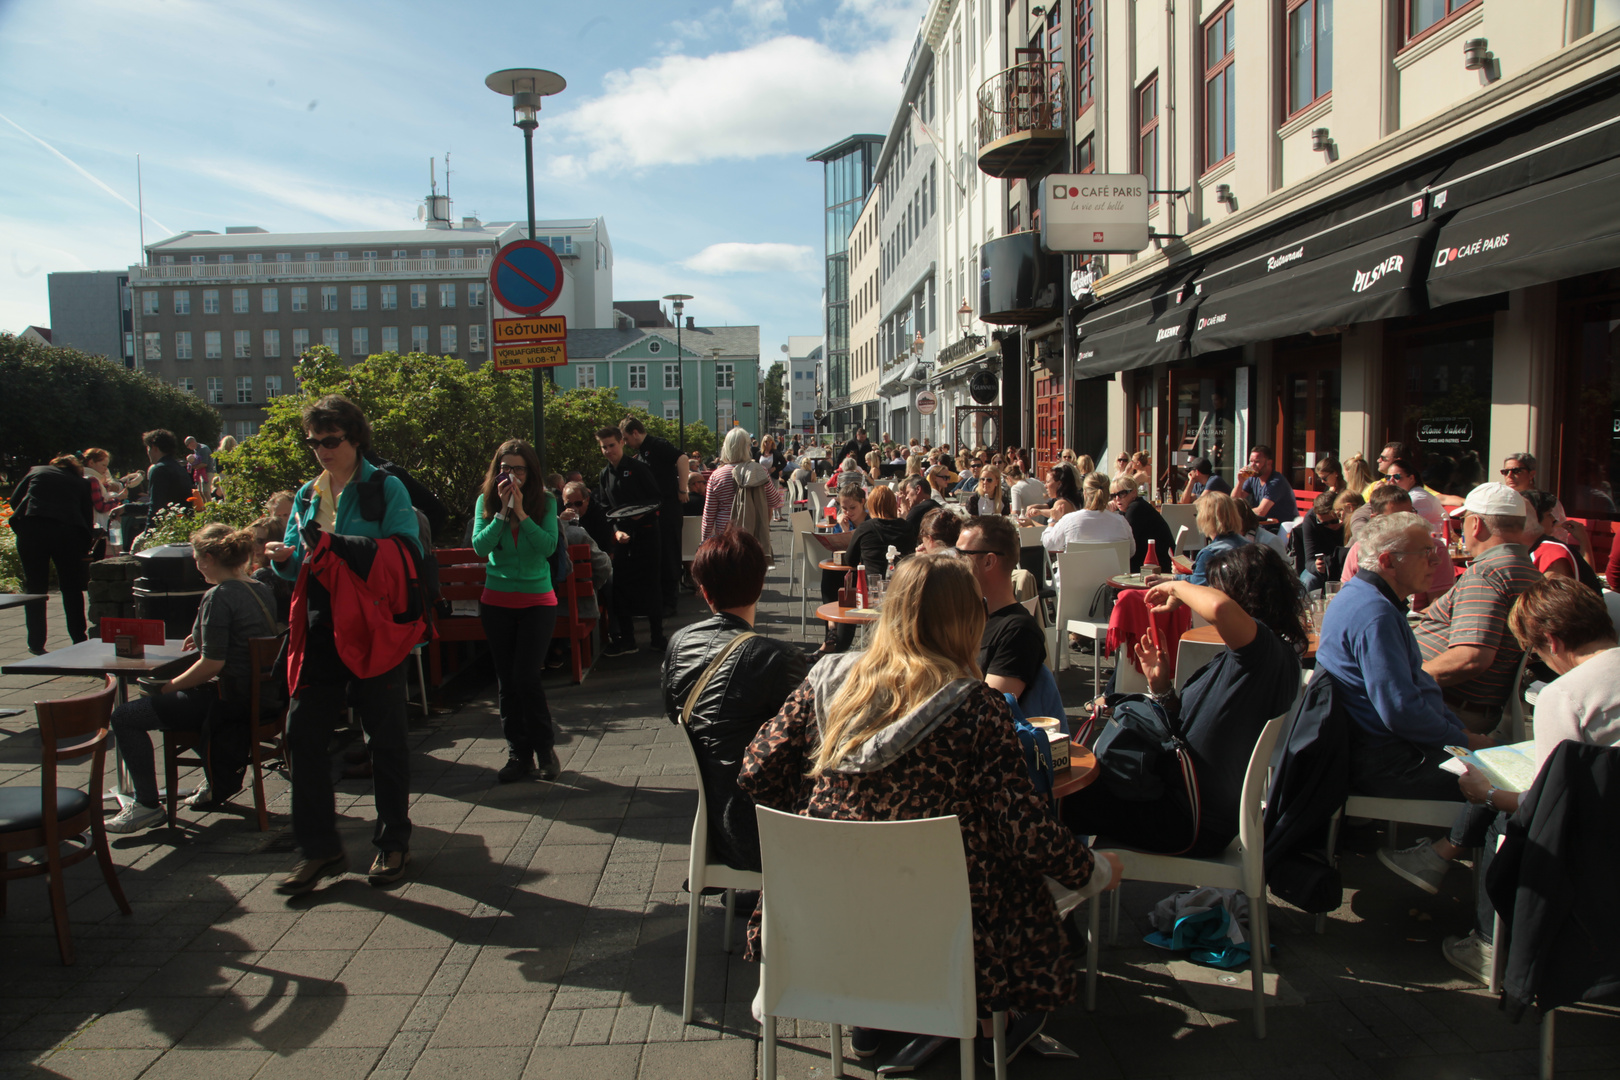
(1150, 562)
(861, 593)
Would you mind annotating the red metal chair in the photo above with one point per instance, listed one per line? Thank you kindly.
(577, 630)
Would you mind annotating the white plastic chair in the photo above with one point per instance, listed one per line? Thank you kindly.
(692, 536)
(704, 873)
(1127, 680)
(811, 553)
(1082, 570)
(1241, 866)
(868, 923)
(1183, 516)
(1192, 655)
(799, 523)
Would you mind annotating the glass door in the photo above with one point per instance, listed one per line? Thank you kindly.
(1307, 395)
(1202, 419)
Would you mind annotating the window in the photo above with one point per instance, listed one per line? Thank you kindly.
(270, 300)
(1085, 155)
(455, 253)
(340, 256)
(447, 294)
(239, 301)
(418, 296)
(398, 253)
(727, 412)
(210, 301)
(256, 257)
(585, 376)
(475, 294)
(390, 339)
(388, 297)
(1310, 52)
(368, 254)
(484, 253)
(672, 409)
(149, 302)
(672, 377)
(166, 260)
(475, 338)
(227, 258)
(198, 260)
(246, 429)
(243, 345)
(429, 253)
(725, 376)
(283, 256)
(211, 345)
(329, 298)
(360, 341)
(638, 377)
(357, 298)
(655, 347)
(332, 339)
(1147, 132)
(216, 390)
(312, 256)
(129, 344)
(272, 387)
(244, 389)
(272, 343)
(300, 298)
(182, 344)
(182, 302)
(1220, 81)
(1085, 54)
(419, 340)
(187, 384)
(1424, 15)
(300, 344)
(447, 340)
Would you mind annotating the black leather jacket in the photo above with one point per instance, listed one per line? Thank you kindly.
(748, 690)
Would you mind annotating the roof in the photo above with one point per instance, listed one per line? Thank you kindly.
(199, 240)
(41, 332)
(733, 341)
(842, 147)
(644, 312)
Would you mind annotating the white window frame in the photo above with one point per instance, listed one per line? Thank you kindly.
(239, 302)
(182, 302)
(672, 409)
(329, 298)
(725, 376)
(448, 345)
(419, 339)
(272, 387)
(216, 390)
(585, 376)
(242, 344)
(360, 341)
(390, 339)
(244, 389)
(182, 344)
(475, 294)
(672, 376)
(300, 298)
(332, 338)
(300, 341)
(636, 378)
(447, 295)
(187, 384)
(213, 346)
(388, 297)
(418, 297)
(270, 301)
(210, 301)
(152, 345)
(358, 297)
(475, 338)
(272, 343)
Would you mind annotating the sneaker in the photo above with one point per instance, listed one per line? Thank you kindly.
(309, 873)
(864, 1042)
(619, 648)
(914, 1055)
(552, 768)
(388, 867)
(134, 818)
(1021, 1030)
(1471, 955)
(204, 800)
(516, 768)
(1417, 864)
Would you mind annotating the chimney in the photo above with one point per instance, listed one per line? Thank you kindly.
(690, 321)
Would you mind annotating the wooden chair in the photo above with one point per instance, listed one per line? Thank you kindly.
(69, 729)
(579, 631)
(461, 579)
(266, 729)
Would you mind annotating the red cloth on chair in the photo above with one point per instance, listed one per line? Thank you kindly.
(1129, 621)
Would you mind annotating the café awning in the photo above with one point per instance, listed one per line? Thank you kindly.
(1144, 327)
(1552, 230)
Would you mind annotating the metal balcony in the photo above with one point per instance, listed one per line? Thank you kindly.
(1022, 113)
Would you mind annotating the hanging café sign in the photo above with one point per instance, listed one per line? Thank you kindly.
(1094, 212)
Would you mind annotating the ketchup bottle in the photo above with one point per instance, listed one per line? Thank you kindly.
(1150, 564)
(860, 586)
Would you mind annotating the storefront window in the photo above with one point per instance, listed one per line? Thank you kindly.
(1589, 435)
(1439, 379)
(1203, 419)
(1307, 375)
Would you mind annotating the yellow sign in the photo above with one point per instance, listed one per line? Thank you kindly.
(535, 328)
(531, 355)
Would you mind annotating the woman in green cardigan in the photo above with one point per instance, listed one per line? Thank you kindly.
(515, 529)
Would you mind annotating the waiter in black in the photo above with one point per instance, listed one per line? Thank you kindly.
(860, 446)
(627, 483)
(670, 468)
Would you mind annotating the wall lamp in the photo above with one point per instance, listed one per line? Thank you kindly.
(1223, 194)
(1322, 142)
(1477, 56)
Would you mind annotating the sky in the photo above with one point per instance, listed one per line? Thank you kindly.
(685, 126)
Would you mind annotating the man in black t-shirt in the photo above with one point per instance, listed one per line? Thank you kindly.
(1013, 648)
(670, 468)
(626, 482)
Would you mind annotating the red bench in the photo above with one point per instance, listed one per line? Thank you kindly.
(461, 578)
(579, 631)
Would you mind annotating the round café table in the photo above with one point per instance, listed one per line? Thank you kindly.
(833, 612)
(1208, 635)
(830, 565)
(1081, 772)
(1127, 581)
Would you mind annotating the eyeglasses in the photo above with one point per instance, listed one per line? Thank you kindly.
(1398, 477)
(574, 505)
(331, 442)
(964, 552)
(1428, 553)
(513, 468)
(1513, 472)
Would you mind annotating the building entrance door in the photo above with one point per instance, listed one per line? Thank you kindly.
(1048, 422)
(1202, 419)
(1307, 397)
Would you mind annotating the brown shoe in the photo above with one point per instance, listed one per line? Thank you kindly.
(388, 867)
(309, 873)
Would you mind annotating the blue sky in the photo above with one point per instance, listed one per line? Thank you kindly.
(684, 125)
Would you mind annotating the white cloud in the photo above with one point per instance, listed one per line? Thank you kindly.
(343, 204)
(735, 258)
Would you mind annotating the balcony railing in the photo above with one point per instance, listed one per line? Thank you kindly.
(1022, 113)
(308, 268)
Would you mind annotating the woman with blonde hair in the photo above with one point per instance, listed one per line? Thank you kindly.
(992, 496)
(1085, 465)
(1358, 475)
(1220, 519)
(1094, 522)
(908, 729)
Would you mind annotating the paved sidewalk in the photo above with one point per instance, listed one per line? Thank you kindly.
(541, 932)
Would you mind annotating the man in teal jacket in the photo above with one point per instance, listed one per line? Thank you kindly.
(342, 501)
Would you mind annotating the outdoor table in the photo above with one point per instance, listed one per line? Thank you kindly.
(1081, 772)
(1208, 635)
(1128, 581)
(833, 612)
(17, 599)
(830, 565)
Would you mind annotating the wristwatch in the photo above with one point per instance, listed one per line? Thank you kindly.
(1492, 790)
(1161, 698)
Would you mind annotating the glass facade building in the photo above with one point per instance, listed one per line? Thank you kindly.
(848, 167)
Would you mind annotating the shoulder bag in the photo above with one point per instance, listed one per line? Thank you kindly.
(703, 679)
(1133, 752)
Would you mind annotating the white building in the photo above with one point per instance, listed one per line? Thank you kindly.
(804, 383)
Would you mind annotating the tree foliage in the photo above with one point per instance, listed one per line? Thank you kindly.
(62, 399)
(775, 411)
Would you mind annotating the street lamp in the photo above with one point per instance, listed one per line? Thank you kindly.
(679, 299)
(526, 86)
(964, 317)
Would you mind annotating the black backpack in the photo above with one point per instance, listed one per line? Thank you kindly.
(1134, 752)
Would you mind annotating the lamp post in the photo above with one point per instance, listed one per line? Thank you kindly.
(679, 300)
(526, 86)
(714, 353)
(964, 317)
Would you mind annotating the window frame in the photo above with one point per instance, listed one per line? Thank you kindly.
(241, 345)
(210, 301)
(329, 298)
(244, 386)
(585, 376)
(299, 300)
(1146, 128)
(1083, 24)
(215, 390)
(271, 338)
(182, 302)
(182, 344)
(636, 377)
(213, 345)
(1288, 58)
(1207, 76)
(241, 302)
(273, 295)
(1408, 39)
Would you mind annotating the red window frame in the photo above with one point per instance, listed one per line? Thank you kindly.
(1454, 8)
(1084, 22)
(1085, 154)
(1288, 59)
(1147, 126)
(1213, 72)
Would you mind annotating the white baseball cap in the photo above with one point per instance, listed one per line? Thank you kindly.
(1495, 499)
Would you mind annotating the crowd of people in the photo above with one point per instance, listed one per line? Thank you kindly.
(920, 721)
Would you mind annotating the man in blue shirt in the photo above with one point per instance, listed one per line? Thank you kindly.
(1267, 490)
(1400, 725)
(1201, 477)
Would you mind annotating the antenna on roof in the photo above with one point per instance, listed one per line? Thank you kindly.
(433, 179)
(447, 174)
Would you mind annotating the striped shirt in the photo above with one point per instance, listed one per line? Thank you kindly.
(1475, 612)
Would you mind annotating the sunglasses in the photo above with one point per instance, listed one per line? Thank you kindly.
(1513, 472)
(575, 505)
(331, 442)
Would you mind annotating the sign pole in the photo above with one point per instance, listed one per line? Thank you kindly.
(539, 397)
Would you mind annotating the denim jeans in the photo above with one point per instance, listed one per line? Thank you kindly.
(179, 710)
(1480, 827)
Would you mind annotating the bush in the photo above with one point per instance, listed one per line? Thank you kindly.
(62, 399)
(175, 524)
(11, 573)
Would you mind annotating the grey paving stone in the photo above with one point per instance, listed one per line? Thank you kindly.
(472, 1063)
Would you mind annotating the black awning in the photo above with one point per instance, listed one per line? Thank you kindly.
(1557, 229)
(1144, 327)
(1372, 280)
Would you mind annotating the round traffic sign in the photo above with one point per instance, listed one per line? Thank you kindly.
(927, 402)
(526, 277)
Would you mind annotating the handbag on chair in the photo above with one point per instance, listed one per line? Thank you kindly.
(1133, 751)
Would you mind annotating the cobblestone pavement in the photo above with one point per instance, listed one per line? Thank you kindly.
(541, 928)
